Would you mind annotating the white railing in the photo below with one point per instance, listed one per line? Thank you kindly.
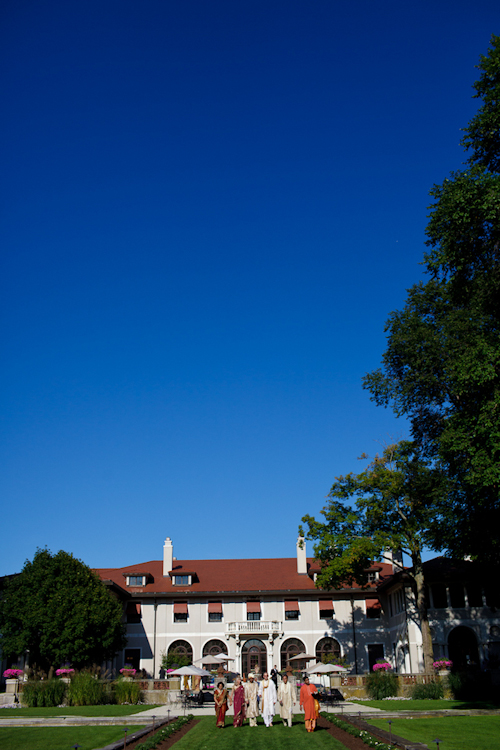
(255, 626)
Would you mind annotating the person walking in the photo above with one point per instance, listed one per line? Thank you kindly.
(307, 703)
(267, 693)
(237, 699)
(251, 690)
(220, 699)
(286, 699)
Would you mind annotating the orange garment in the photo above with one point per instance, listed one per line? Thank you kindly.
(307, 701)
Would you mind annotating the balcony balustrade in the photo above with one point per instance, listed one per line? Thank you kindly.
(255, 626)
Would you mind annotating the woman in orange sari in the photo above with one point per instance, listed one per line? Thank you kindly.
(308, 704)
(220, 698)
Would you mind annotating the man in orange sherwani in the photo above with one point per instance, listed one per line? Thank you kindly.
(306, 702)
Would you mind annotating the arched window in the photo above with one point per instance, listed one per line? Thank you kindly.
(211, 648)
(327, 650)
(180, 654)
(254, 657)
(290, 648)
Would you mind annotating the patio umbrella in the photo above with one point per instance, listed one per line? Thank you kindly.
(302, 657)
(321, 668)
(208, 659)
(190, 671)
(223, 657)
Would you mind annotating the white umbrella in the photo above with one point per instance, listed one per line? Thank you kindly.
(209, 659)
(223, 657)
(302, 657)
(320, 668)
(191, 670)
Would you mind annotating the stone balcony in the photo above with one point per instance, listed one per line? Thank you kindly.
(257, 627)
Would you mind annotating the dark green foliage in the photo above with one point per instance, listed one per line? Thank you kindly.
(174, 660)
(127, 692)
(61, 611)
(430, 691)
(86, 690)
(164, 733)
(397, 506)
(43, 693)
(381, 685)
(471, 686)
(441, 368)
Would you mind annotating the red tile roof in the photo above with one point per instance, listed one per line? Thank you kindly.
(222, 576)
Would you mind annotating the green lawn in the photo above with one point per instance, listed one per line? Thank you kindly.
(59, 738)
(428, 705)
(455, 732)
(206, 736)
(75, 711)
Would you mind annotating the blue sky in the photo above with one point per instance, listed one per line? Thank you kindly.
(208, 211)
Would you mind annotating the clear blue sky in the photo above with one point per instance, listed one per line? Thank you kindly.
(209, 209)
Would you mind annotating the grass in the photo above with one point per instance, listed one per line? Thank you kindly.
(206, 736)
(110, 710)
(454, 732)
(429, 705)
(59, 738)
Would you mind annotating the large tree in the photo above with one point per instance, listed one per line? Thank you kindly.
(394, 504)
(59, 610)
(441, 368)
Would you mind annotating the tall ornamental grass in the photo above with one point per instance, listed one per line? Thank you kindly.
(85, 690)
(381, 684)
(127, 692)
(43, 693)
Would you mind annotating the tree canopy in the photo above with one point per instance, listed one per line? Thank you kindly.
(441, 368)
(59, 610)
(397, 506)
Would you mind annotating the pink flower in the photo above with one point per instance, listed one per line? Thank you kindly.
(10, 674)
(64, 671)
(383, 665)
(442, 664)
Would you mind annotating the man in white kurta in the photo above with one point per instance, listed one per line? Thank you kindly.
(286, 698)
(267, 693)
(251, 689)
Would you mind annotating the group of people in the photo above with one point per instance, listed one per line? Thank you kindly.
(251, 698)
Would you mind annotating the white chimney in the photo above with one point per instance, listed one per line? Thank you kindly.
(168, 556)
(301, 556)
(395, 559)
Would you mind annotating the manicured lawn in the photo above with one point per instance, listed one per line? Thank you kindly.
(75, 711)
(455, 732)
(59, 738)
(438, 705)
(206, 735)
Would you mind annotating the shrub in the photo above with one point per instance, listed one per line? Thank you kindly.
(127, 692)
(46, 693)
(86, 690)
(429, 691)
(381, 685)
(470, 686)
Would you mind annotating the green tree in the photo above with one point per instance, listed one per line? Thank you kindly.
(441, 368)
(60, 611)
(397, 507)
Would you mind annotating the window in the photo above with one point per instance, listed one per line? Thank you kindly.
(180, 612)
(133, 612)
(373, 576)
(373, 609)
(474, 595)
(292, 611)
(328, 649)
(457, 596)
(136, 580)
(439, 598)
(182, 580)
(214, 611)
(326, 611)
(253, 611)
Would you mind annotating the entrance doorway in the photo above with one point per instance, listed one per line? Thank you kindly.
(462, 648)
(254, 657)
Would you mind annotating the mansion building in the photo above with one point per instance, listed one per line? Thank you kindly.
(264, 612)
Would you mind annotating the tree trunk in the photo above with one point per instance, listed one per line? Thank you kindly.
(427, 649)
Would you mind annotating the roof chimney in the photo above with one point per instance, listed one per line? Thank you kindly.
(301, 556)
(168, 556)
